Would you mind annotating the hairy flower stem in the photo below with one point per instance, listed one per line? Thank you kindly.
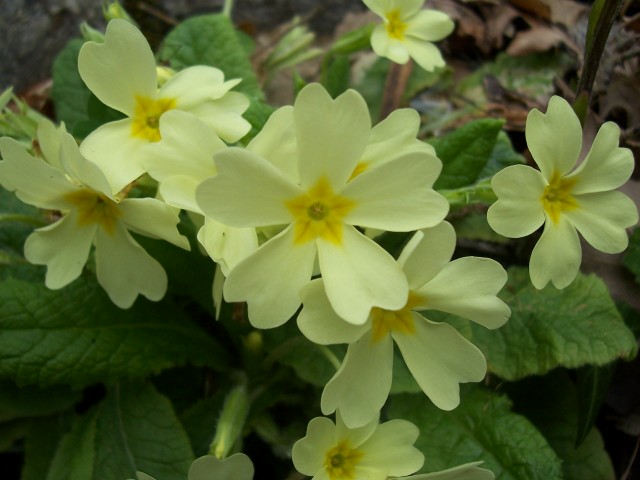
(601, 19)
(227, 7)
(395, 86)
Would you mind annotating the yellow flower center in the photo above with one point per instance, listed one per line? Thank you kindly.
(395, 26)
(386, 321)
(557, 196)
(146, 120)
(341, 460)
(360, 168)
(319, 213)
(93, 207)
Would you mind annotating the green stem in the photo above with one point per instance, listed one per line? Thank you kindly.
(601, 19)
(226, 9)
(328, 354)
(231, 422)
(480, 193)
(14, 217)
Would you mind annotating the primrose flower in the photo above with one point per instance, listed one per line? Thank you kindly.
(437, 356)
(565, 199)
(318, 196)
(236, 467)
(408, 31)
(72, 185)
(121, 72)
(373, 452)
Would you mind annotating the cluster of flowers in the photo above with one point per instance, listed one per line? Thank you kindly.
(304, 199)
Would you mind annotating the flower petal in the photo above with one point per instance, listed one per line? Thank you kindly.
(554, 138)
(125, 270)
(152, 218)
(425, 54)
(276, 142)
(120, 68)
(34, 180)
(77, 166)
(387, 47)
(439, 358)
(331, 134)
(308, 453)
(355, 436)
(361, 385)
(49, 137)
(394, 137)
(468, 287)
(468, 471)
(519, 211)
(428, 251)
(319, 322)
(391, 448)
(358, 275)
(224, 116)
(396, 196)
(606, 166)
(236, 467)
(186, 148)
(226, 245)
(272, 303)
(116, 152)
(602, 219)
(247, 192)
(63, 247)
(195, 85)
(556, 256)
(429, 25)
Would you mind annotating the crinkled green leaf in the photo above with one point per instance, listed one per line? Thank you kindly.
(551, 328)
(134, 428)
(11, 432)
(502, 155)
(31, 401)
(76, 336)
(75, 105)
(211, 40)
(465, 152)
(631, 258)
(43, 437)
(483, 428)
(337, 75)
(550, 402)
(593, 385)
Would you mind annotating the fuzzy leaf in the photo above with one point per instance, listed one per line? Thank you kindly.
(481, 428)
(134, 428)
(211, 40)
(550, 402)
(76, 336)
(551, 328)
(30, 401)
(465, 152)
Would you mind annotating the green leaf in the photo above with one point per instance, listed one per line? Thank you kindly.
(503, 155)
(20, 402)
(134, 428)
(75, 105)
(200, 422)
(631, 258)
(465, 152)
(593, 385)
(481, 428)
(550, 403)
(337, 75)
(257, 115)
(551, 328)
(211, 40)
(76, 336)
(11, 432)
(43, 437)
